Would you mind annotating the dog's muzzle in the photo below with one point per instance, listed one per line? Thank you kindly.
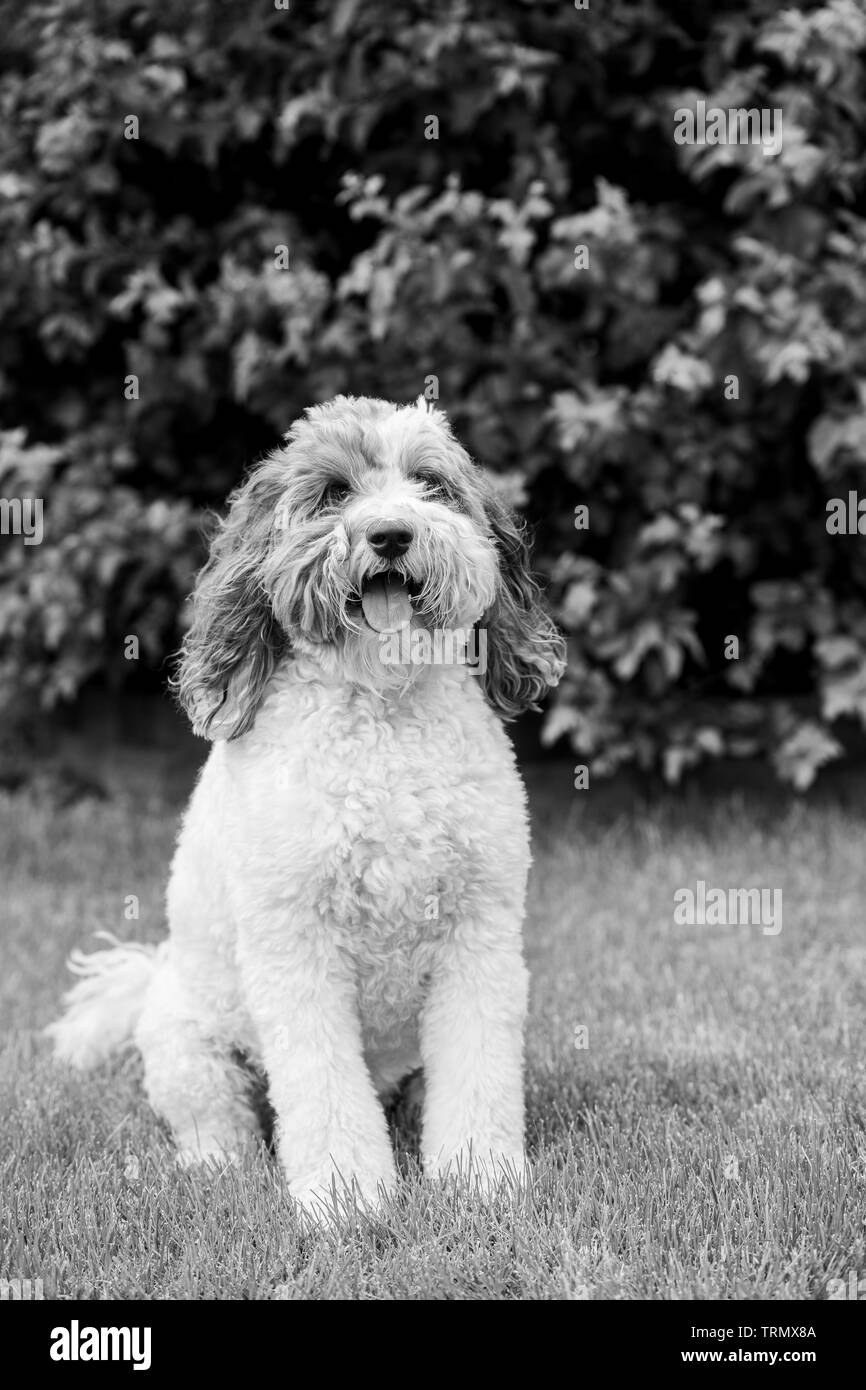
(386, 597)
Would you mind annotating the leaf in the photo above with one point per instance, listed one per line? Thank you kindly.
(800, 757)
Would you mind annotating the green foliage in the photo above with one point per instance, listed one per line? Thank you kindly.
(454, 258)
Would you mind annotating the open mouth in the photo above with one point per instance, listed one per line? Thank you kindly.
(386, 600)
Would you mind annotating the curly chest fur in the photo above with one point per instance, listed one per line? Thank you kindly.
(387, 824)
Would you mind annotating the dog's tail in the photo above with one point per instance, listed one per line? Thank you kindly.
(103, 1008)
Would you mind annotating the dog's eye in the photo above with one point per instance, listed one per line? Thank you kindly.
(334, 494)
(436, 489)
(433, 487)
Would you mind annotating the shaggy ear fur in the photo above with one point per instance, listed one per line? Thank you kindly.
(525, 651)
(234, 640)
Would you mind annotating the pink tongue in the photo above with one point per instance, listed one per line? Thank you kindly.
(386, 603)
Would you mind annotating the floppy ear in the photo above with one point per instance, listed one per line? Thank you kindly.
(525, 650)
(234, 640)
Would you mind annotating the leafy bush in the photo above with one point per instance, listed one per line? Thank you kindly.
(449, 264)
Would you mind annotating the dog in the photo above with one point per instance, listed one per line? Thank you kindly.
(346, 897)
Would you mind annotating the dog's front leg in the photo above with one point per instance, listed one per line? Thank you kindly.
(330, 1125)
(472, 1048)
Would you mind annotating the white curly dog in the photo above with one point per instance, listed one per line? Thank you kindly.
(347, 893)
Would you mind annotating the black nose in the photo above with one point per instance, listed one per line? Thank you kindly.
(390, 538)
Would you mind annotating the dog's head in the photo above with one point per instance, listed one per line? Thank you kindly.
(372, 518)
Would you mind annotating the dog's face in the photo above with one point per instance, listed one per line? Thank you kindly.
(371, 521)
(380, 524)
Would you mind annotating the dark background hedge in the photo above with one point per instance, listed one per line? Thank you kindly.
(413, 258)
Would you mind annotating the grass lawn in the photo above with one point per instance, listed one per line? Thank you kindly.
(707, 1142)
